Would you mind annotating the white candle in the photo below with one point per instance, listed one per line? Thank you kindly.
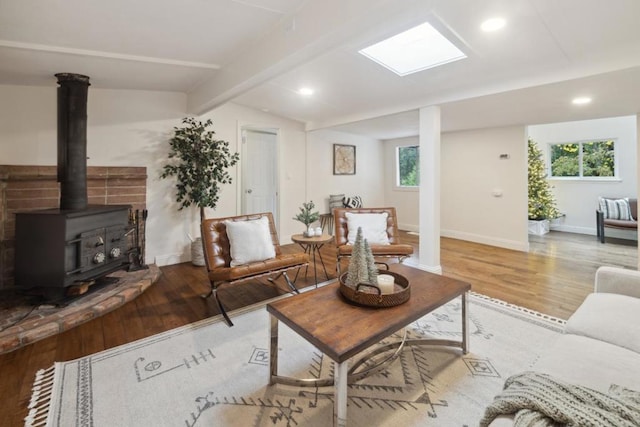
(385, 283)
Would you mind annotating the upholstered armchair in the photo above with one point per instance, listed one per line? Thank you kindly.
(380, 228)
(245, 247)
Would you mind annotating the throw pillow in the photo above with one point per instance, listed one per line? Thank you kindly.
(250, 241)
(335, 201)
(354, 202)
(616, 208)
(374, 227)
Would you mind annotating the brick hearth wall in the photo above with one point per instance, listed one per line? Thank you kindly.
(25, 188)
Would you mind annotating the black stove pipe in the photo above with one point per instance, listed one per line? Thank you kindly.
(72, 140)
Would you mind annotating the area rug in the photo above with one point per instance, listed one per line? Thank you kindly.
(208, 374)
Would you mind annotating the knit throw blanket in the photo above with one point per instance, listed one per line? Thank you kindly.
(540, 400)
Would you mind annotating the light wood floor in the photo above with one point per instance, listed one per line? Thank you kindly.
(554, 278)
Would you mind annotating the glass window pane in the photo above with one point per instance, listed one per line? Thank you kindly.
(408, 166)
(565, 160)
(598, 158)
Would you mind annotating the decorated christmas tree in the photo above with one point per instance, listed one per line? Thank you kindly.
(361, 265)
(542, 204)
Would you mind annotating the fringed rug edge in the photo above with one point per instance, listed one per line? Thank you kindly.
(42, 397)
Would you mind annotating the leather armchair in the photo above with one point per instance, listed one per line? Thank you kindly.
(217, 255)
(396, 249)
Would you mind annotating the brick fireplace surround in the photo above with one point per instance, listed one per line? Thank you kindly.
(25, 188)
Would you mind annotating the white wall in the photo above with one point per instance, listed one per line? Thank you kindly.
(471, 170)
(124, 128)
(132, 128)
(368, 182)
(227, 122)
(577, 199)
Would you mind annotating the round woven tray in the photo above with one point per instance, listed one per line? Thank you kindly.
(370, 295)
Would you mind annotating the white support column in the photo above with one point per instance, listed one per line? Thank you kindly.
(430, 189)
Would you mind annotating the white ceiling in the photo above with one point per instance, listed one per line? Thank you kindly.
(258, 53)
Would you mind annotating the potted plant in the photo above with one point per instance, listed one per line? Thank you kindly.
(542, 204)
(307, 216)
(200, 163)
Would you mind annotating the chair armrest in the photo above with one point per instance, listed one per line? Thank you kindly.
(617, 280)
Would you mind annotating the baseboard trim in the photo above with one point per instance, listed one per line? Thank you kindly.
(574, 229)
(486, 240)
(608, 232)
(171, 259)
(409, 227)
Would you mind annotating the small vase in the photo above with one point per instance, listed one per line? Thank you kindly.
(310, 232)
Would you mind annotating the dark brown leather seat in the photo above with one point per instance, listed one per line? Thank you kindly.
(395, 248)
(217, 254)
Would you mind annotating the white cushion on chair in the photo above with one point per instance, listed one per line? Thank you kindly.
(374, 227)
(616, 208)
(250, 241)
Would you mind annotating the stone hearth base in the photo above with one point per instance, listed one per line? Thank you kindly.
(25, 323)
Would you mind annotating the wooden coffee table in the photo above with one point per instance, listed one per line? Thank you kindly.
(341, 329)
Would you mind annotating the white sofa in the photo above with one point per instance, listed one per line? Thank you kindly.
(601, 344)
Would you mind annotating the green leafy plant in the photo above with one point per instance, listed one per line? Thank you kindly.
(200, 163)
(542, 204)
(306, 214)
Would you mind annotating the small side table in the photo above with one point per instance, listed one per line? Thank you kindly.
(311, 246)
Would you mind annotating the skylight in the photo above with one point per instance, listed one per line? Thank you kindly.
(416, 49)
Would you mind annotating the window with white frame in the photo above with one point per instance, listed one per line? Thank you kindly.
(584, 159)
(408, 166)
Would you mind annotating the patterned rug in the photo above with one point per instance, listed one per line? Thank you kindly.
(207, 374)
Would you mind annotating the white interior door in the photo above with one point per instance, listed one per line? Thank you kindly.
(259, 172)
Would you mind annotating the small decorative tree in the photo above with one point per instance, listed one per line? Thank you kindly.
(371, 264)
(306, 214)
(199, 161)
(542, 204)
(362, 267)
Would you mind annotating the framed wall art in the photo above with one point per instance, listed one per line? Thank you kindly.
(344, 159)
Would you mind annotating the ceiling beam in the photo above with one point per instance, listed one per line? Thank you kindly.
(103, 54)
(317, 28)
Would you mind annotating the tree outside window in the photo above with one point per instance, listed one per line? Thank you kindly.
(408, 166)
(583, 159)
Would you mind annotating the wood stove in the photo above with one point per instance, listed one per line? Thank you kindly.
(77, 243)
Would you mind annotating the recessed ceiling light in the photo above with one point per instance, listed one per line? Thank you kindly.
(581, 100)
(305, 91)
(493, 24)
(416, 49)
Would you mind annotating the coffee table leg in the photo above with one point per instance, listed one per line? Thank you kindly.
(465, 323)
(340, 396)
(273, 350)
